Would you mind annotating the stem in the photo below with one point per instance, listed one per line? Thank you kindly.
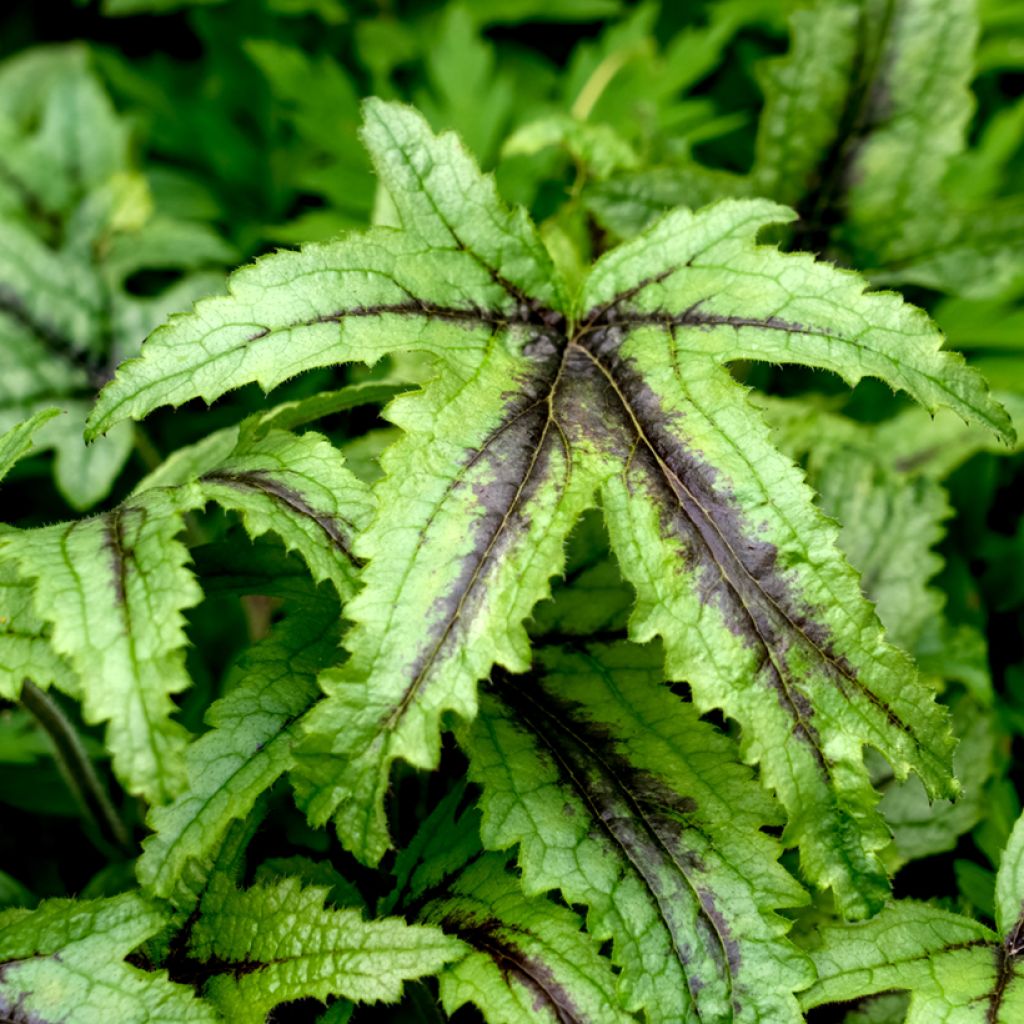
(148, 452)
(596, 84)
(75, 766)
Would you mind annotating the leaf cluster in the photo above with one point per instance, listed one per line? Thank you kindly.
(613, 614)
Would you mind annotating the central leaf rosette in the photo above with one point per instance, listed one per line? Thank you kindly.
(545, 404)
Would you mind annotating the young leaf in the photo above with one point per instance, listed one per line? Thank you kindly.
(542, 404)
(65, 961)
(260, 958)
(529, 959)
(248, 747)
(621, 798)
(955, 969)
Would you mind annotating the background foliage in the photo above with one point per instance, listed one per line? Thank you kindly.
(148, 146)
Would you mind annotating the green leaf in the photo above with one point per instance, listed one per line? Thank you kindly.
(207, 455)
(881, 482)
(955, 969)
(13, 893)
(260, 958)
(340, 891)
(885, 1009)
(247, 748)
(382, 277)
(529, 958)
(923, 827)
(65, 138)
(468, 91)
(17, 442)
(916, 105)
(113, 589)
(310, 94)
(296, 486)
(1010, 886)
(447, 840)
(541, 405)
(513, 11)
(65, 962)
(78, 222)
(978, 254)
(805, 93)
(626, 203)
(622, 799)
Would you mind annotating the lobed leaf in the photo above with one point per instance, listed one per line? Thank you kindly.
(65, 961)
(76, 222)
(956, 970)
(261, 959)
(529, 960)
(912, 118)
(113, 589)
(247, 748)
(624, 801)
(540, 407)
(296, 486)
(805, 93)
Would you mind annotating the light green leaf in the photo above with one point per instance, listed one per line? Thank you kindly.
(956, 970)
(247, 749)
(885, 1009)
(25, 648)
(262, 959)
(622, 799)
(539, 405)
(113, 588)
(627, 203)
(340, 891)
(76, 221)
(779, 308)
(298, 487)
(193, 461)
(978, 254)
(65, 961)
(529, 959)
(805, 93)
(17, 442)
(1010, 886)
(923, 827)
